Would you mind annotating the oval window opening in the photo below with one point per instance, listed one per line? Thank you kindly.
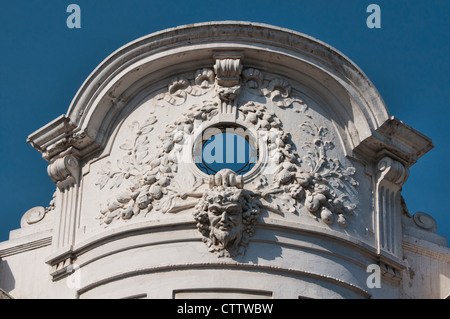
(227, 150)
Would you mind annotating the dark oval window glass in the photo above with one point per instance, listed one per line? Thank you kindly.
(227, 150)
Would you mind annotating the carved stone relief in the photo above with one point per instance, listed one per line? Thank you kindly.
(37, 214)
(226, 211)
(425, 221)
(226, 215)
(388, 204)
(65, 171)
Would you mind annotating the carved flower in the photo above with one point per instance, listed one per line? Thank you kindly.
(204, 78)
(176, 94)
(253, 78)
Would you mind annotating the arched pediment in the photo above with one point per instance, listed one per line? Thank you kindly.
(346, 95)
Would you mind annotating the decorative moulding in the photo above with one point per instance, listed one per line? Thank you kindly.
(86, 251)
(26, 242)
(315, 183)
(422, 226)
(61, 137)
(84, 130)
(397, 140)
(425, 221)
(91, 112)
(36, 214)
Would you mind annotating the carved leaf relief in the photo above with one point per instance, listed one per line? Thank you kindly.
(315, 182)
(137, 154)
(37, 214)
(152, 176)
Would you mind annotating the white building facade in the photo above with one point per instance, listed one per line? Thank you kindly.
(313, 211)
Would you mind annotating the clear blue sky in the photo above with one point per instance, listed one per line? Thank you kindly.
(43, 64)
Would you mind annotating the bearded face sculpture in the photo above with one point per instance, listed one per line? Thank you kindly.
(226, 216)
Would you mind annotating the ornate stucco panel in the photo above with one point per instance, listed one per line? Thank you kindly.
(148, 171)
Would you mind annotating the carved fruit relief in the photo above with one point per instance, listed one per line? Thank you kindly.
(314, 182)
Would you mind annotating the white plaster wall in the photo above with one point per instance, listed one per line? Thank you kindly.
(25, 275)
(428, 272)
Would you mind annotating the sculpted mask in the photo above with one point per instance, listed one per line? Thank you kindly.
(226, 216)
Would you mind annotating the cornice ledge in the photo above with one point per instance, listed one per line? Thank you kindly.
(426, 248)
(396, 140)
(29, 242)
(62, 137)
(118, 233)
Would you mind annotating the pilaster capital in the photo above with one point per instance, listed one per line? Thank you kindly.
(65, 171)
(228, 68)
(392, 171)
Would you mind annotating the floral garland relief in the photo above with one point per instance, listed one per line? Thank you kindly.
(315, 181)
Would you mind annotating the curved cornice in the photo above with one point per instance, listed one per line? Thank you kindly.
(291, 46)
(93, 113)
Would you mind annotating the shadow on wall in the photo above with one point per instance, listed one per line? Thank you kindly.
(262, 247)
(7, 281)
